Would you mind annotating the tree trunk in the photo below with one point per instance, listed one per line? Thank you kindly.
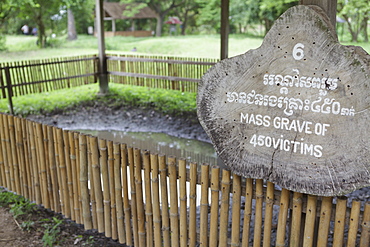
(158, 31)
(364, 29)
(72, 34)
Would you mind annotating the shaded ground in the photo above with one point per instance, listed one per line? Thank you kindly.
(125, 118)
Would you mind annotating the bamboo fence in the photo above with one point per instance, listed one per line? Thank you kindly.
(145, 199)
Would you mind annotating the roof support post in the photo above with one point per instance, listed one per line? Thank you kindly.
(329, 6)
(225, 29)
(103, 73)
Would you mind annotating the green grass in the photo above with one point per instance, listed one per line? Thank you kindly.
(207, 46)
(166, 101)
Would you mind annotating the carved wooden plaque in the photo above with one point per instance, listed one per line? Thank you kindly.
(295, 111)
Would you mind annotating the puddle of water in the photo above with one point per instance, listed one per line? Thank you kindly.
(192, 150)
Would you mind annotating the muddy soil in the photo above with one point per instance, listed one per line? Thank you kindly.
(125, 118)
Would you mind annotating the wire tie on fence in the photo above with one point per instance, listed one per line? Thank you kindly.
(142, 233)
(204, 204)
(174, 214)
(216, 190)
(259, 196)
(149, 214)
(106, 201)
(155, 180)
(183, 198)
(157, 221)
(103, 149)
(193, 197)
(73, 157)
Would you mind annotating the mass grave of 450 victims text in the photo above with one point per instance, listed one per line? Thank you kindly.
(295, 111)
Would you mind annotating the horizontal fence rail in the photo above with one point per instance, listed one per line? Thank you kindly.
(167, 72)
(145, 199)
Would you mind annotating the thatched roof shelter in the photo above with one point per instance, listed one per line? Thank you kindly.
(115, 10)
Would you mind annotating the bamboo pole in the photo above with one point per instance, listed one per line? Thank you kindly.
(42, 163)
(50, 189)
(3, 153)
(139, 198)
(2, 167)
(94, 213)
(26, 158)
(133, 196)
(258, 214)
(63, 173)
(225, 203)
(204, 205)
(295, 229)
(174, 214)
(106, 192)
(69, 174)
(21, 157)
(340, 221)
(98, 192)
(15, 164)
(118, 194)
(76, 137)
(36, 184)
(365, 226)
(235, 221)
(183, 203)
(72, 153)
(193, 206)
(324, 223)
(41, 160)
(148, 199)
(84, 183)
(126, 203)
(247, 211)
(309, 229)
(156, 200)
(268, 214)
(164, 200)
(9, 165)
(354, 223)
(215, 198)
(282, 219)
(53, 169)
(112, 190)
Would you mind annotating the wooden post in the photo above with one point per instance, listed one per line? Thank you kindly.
(329, 6)
(224, 29)
(10, 91)
(103, 75)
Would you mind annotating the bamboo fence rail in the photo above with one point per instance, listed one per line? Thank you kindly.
(144, 199)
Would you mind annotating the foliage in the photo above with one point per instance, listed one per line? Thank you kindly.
(356, 14)
(18, 204)
(51, 232)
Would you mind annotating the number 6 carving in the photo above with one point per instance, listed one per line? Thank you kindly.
(298, 53)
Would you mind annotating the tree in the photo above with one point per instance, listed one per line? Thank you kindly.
(161, 7)
(356, 13)
(186, 13)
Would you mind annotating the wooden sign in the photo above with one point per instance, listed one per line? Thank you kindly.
(295, 111)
